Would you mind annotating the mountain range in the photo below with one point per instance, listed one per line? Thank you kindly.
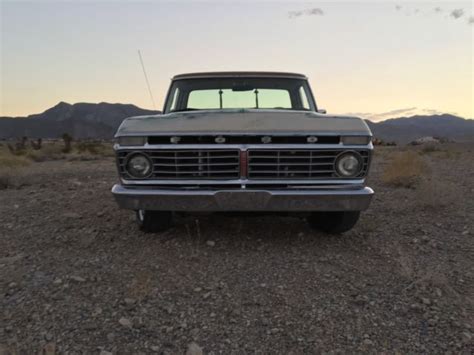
(87, 120)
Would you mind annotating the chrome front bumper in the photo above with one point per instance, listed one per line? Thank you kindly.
(143, 198)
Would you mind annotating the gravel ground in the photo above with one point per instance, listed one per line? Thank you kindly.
(76, 276)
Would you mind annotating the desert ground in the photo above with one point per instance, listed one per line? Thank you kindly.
(77, 276)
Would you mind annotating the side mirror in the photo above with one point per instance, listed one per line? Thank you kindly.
(323, 111)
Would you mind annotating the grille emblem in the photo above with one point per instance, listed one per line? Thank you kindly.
(243, 163)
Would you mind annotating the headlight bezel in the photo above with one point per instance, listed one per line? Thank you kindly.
(354, 154)
(130, 173)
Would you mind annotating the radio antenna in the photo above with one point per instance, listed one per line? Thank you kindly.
(146, 79)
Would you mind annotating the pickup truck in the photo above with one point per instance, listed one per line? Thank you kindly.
(248, 142)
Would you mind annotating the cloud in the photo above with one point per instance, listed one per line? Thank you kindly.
(402, 112)
(386, 115)
(457, 13)
(438, 9)
(398, 7)
(316, 11)
(471, 20)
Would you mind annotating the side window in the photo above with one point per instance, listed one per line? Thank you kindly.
(304, 98)
(174, 101)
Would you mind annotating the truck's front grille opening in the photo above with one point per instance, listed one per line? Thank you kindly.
(189, 164)
(296, 164)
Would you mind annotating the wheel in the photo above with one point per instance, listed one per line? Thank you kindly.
(154, 221)
(333, 222)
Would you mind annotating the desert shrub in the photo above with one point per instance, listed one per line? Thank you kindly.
(47, 152)
(5, 180)
(430, 148)
(405, 170)
(93, 148)
(67, 139)
(9, 160)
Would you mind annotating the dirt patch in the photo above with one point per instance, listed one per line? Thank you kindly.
(77, 276)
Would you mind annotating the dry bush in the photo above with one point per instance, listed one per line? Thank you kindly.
(405, 170)
(47, 152)
(93, 148)
(9, 160)
(431, 148)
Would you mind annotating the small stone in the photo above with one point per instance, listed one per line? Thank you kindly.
(129, 301)
(426, 301)
(58, 282)
(198, 289)
(194, 349)
(111, 337)
(48, 336)
(12, 285)
(104, 352)
(211, 243)
(125, 322)
(467, 336)
(206, 295)
(77, 279)
(368, 342)
(155, 348)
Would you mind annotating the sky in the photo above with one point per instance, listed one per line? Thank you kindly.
(374, 59)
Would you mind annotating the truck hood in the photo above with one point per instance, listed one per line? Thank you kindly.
(242, 122)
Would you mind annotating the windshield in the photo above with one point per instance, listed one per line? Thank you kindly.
(239, 93)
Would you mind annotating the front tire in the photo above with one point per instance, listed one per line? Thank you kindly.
(333, 222)
(154, 221)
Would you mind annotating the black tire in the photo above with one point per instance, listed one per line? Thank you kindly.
(333, 222)
(154, 221)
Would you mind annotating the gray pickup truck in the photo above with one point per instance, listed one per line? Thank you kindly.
(243, 142)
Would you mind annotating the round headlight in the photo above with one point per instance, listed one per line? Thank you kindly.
(138, 166)
(349, 164)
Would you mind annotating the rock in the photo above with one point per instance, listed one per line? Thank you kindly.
(211, 243)
(426, 301)
(111, 337)
(198, 289)
(72, 215)
(129, 301)
(155, 348)
(77, 279)
(57, 282)
(467, 336)
(125, 322)
(194, 349)
(104, 352)
(49, 349)
(368, 342)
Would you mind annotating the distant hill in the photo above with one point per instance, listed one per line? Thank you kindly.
(81, 120)
(86, 120)
(407, 129)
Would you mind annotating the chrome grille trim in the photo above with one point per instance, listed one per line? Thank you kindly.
(298, 163)
(187, 164)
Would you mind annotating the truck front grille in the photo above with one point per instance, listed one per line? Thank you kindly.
(296, 163)
(189, 164)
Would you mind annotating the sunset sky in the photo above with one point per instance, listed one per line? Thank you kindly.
(374, 59)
